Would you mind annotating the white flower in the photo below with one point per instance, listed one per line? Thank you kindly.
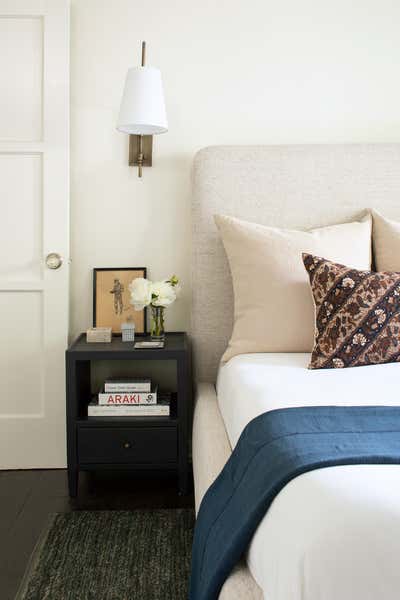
(174, 281)
(140, 290)
(162, 293)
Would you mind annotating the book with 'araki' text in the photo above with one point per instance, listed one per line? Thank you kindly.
(127, 398)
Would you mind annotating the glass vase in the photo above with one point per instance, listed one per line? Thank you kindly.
(157, 323)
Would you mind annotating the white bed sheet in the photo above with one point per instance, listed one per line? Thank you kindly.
(330, 534)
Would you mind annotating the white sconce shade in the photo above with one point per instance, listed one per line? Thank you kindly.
(142, 110)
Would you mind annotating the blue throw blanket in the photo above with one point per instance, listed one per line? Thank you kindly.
(273, 449)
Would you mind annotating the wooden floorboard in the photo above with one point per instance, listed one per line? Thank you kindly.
(28, 498)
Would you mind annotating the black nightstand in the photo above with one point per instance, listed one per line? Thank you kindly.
(134, 443)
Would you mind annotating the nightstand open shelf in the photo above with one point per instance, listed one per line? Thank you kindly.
(134, 443)
(172, 418)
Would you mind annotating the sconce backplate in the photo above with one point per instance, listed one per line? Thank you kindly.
(147, 145)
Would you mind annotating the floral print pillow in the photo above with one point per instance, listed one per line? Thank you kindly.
(357, 319)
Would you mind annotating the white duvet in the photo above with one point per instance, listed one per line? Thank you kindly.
(330, 534)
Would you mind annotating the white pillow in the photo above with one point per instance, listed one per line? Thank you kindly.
(386, 243)
(273, 304)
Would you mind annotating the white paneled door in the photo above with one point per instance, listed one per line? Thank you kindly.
(34, 215)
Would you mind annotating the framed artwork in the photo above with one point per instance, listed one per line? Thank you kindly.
(111, 298)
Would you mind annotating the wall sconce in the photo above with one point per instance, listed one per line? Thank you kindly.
(142, 113)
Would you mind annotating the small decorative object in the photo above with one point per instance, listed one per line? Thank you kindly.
(158, 295)
(98, 334)
(152, 344)
(142, 113)
(111, 298)
(128, 330)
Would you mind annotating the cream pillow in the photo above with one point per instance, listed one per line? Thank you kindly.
(273, 305)
(386, 243)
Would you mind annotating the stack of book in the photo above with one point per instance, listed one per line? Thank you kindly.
(129, 398)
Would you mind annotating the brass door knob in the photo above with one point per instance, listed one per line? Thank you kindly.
(54, 260)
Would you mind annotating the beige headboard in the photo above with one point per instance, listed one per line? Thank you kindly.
(284, 186)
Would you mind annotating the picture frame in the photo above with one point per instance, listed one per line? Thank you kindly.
(111, 305)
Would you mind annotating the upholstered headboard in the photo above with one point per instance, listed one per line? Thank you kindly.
(284, 186)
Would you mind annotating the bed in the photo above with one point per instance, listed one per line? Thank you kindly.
(297, 187)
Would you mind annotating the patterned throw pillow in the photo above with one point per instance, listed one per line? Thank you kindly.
(357, 320)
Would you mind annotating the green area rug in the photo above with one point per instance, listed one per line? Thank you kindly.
(112, 555)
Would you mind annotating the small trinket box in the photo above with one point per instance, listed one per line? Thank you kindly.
(98, 334)
(128, 331)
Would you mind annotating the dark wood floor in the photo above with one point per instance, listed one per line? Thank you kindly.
(27, 498)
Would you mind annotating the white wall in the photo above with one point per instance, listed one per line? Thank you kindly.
(235, 72)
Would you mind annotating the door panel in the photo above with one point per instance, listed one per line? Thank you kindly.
(21, 227)
(21, 318)
(21, 76)
(34, 187)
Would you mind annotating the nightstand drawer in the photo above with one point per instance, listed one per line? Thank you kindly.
(140, 445)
